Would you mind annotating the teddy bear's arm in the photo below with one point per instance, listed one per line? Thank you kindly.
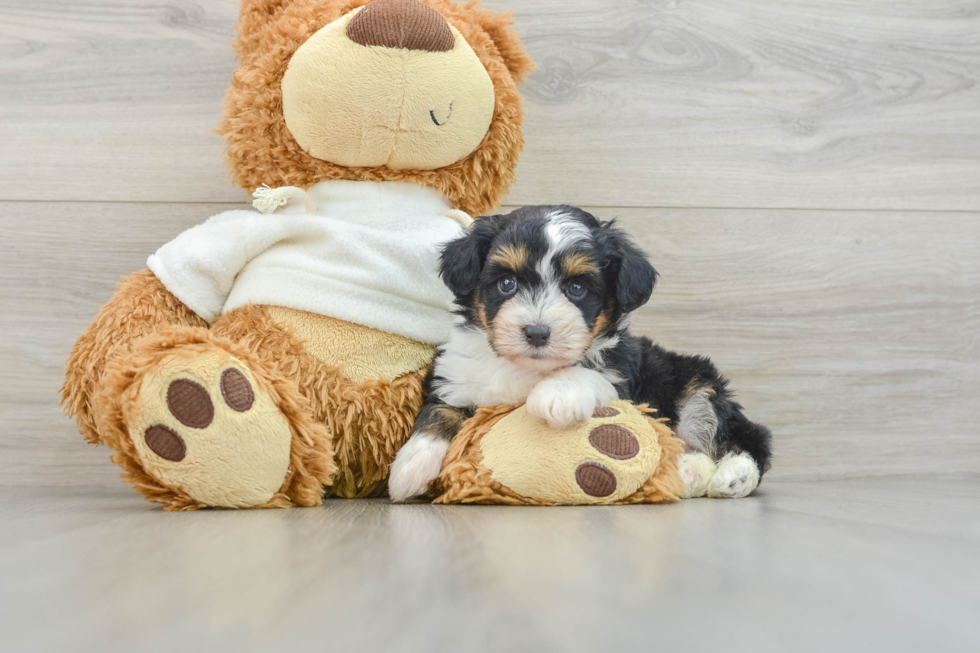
(200, 265)
(140, 306)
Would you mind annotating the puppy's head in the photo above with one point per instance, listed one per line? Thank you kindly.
(546, 283)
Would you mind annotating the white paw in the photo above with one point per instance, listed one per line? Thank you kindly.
(737, 477)
(569, 396)
(696, 470)
(416, 465)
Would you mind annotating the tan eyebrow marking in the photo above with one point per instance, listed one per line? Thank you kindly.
(601, 323)
(512, 257)
(578, 263)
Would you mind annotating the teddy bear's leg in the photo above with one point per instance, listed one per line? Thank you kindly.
(198, 420)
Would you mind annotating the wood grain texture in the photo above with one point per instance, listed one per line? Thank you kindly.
(854, 335)
(725, 103)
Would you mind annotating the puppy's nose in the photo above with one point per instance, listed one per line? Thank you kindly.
(406, 24)
(537, 335)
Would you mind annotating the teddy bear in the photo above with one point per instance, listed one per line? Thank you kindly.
(266, 357)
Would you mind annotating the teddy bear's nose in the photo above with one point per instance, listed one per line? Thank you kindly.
(406, 24)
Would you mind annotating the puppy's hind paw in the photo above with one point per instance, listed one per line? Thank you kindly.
(696, 470)
(737, 477)
(417, 464)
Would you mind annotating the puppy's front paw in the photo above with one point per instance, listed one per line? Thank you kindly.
(569, 397)
(558, 409)
(416, 465)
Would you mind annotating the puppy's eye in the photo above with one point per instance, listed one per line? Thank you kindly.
(575, 290)
(507, 285)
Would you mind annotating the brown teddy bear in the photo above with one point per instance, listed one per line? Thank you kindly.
(262, 358)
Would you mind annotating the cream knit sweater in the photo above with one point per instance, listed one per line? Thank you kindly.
(368, 255)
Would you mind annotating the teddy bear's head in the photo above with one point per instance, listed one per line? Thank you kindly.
(403, 90)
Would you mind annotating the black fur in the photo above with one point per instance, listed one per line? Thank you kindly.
(627, 264)
(661, 378)
(438, 418)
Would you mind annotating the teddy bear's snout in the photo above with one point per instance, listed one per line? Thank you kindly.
(405, 24)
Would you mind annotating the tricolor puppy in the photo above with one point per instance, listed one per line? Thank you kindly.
(544, 297)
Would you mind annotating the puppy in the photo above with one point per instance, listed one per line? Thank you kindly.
(544, 297)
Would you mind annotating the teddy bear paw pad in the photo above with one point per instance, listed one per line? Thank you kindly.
(190, 404)
(165, 443)
(605, 411)
(614, 441)
(202, 425)
(595, 480)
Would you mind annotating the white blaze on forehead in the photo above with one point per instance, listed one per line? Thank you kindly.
(562, 231)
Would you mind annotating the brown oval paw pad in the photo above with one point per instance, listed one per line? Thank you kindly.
(605, 411)
(595, 479)
(165, 443)
(236, 390)
(614, 441)
(189, 402)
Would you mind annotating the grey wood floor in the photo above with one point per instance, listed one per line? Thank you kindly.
(859, 565)
(806, 177)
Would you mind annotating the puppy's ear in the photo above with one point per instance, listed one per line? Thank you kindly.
(462, 259)
(634, 276)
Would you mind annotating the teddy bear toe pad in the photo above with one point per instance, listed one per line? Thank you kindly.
(595, 480)
(614, 441)
(165, 443)
(189, 402)
(202, 426)
(236, 390)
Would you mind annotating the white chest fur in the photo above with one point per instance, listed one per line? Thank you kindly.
(475, 376)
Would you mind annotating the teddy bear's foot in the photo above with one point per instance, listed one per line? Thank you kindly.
(202, 425)
(737, 477)
(696, 470)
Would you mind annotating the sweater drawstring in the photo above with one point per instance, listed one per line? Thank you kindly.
(462, 217)
(267, 200)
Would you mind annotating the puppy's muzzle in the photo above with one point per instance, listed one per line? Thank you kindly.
(537, 335)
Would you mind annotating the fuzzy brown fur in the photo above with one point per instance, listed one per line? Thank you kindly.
(464, 479)
(261, 150)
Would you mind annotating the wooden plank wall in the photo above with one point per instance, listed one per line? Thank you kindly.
(805, 174)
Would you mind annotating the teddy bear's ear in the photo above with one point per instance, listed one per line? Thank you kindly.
(508, 43)
(256, 14)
